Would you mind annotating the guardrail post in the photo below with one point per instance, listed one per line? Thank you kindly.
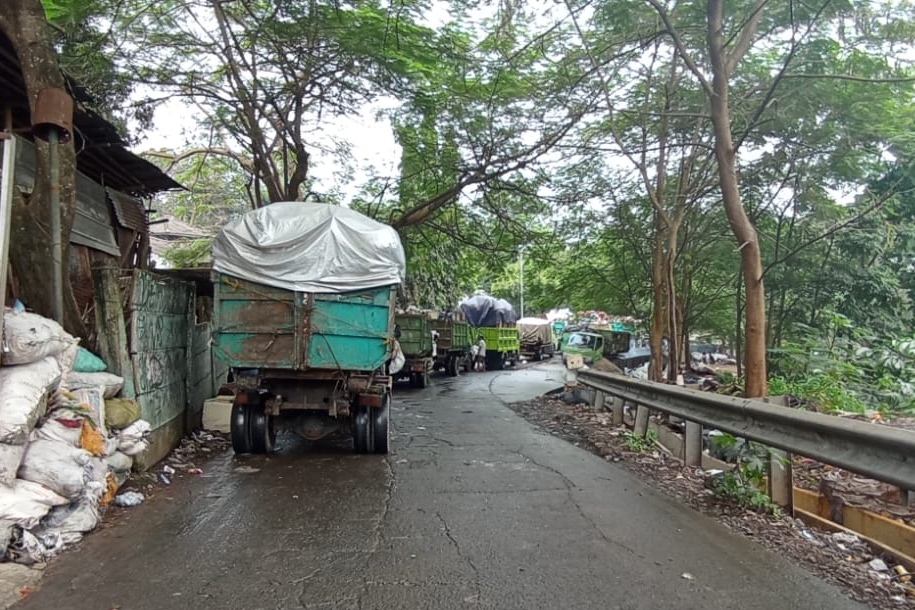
(599, 399)
(641, 420)
(692, 444)
(781, 483)
(617, 406)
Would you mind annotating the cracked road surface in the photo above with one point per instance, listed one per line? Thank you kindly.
(473, 509)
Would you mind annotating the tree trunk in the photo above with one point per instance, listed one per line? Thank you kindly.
(658, 282)
(23, 21)
(673, 325)
(742, 227)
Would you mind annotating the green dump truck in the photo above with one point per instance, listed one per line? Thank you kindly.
(414, 332)
(308, 338)
(453, 339)
(502, 346)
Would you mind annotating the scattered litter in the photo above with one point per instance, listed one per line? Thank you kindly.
(247, 470)
(845, 537)
(878, 565)
(195, 471)
(165, 480)
(168, 469)
(687, 576)
(129, 498)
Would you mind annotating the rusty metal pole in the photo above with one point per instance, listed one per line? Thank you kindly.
(7, 184)
(57, 282)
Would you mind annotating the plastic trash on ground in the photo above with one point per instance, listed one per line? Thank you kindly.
(129, 498)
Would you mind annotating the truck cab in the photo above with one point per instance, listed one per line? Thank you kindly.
(594, 345)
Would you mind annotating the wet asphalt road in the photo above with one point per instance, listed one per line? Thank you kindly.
(474, 509)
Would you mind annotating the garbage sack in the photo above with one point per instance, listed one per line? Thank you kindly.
(91, 400)
(6, 537)
(397, 359)
(119, 462)
(26, 503)
(91, 439)
(87, 362)
(113, 384)
(69, 522)
(133, 439)
(65, 359)
(10, 458)
(111, 445)
(24, 392)
(26, 548)
(134, 449)
(63, 427)
(63, 469)
(28, 338)
(121, 412)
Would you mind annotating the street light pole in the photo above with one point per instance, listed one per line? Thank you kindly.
(521, 265)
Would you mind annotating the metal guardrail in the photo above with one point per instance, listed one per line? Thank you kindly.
(879, 452)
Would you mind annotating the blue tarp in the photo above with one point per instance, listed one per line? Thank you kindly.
(484, 310)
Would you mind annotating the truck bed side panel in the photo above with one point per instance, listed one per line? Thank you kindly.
(256, 326)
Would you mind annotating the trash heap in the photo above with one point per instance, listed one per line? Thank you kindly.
(67, 441)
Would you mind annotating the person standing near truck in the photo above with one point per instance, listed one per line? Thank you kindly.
(479, 361)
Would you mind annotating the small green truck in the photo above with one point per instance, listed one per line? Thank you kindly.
(619, 347)
(414, 332)
(502, 345)
(453, 344)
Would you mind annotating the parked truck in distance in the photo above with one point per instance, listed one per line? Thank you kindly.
(535, 337)
(618, 346)
(502, 346)
(308, 338)
(453, 339)
(414, 332)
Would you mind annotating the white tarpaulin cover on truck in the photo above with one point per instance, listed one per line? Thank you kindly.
(535, 330)
(310, 247)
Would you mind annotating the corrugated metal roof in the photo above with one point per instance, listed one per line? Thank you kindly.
(92, 226)
(102, 153)
(129, 211)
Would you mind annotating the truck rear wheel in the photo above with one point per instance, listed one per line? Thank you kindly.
(262, 430)
(422, 380)
(454, 366)
(381, 426)
(495, 361)
(362, 430)
(241, 436)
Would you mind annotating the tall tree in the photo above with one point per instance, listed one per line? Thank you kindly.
(24, 23)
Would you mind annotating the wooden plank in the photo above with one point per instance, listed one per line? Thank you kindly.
(815, 520)
(112, 328)
(878, 527)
